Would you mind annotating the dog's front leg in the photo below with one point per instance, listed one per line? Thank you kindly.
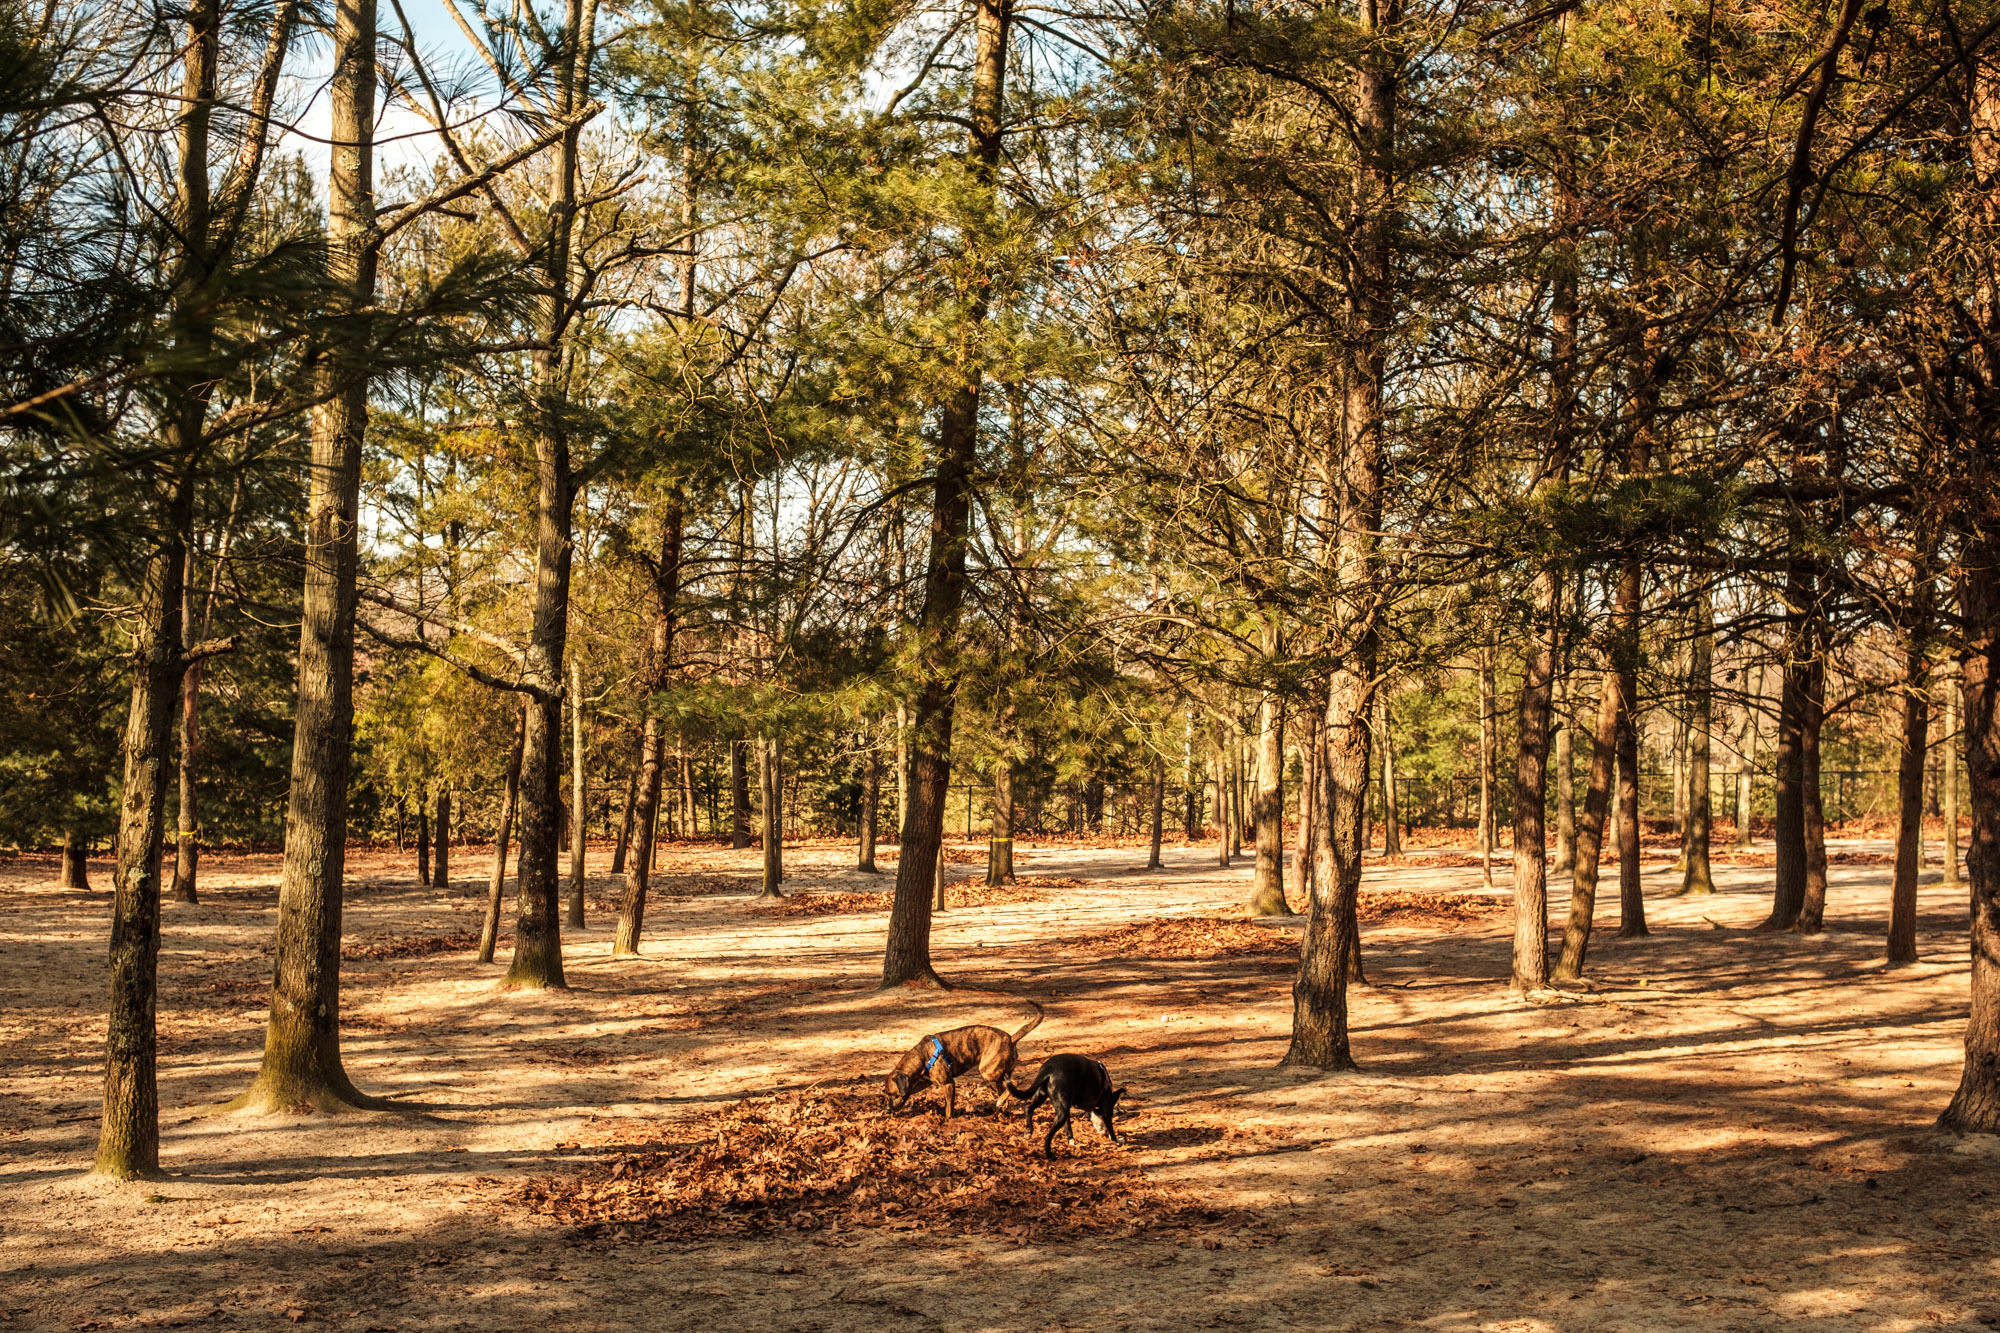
(950, 1099)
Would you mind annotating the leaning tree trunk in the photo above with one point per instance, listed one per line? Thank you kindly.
(1590, 833)
(74, 872)
(129, 1139)
(302, 1060)
(618, 848)
(1701, 725)
(1565, 762)
(1910, 811)
(1329, 953)
(489, 931)
(1267, 882)
(906, 956)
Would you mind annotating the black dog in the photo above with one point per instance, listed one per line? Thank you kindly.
(1072, 1081)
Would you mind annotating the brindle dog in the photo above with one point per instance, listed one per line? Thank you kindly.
(939, 1059)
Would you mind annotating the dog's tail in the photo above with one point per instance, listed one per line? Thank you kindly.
(1028, 1093)
(1033, 1023)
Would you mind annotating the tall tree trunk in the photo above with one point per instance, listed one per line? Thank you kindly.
(579, 795)
(1392, 800)
(1486, 764)
(1590, 833)
(1309, 809)
(1153, 861)
(1701, 721)
(1223, 814)
(739, 795)
(1329, 953)
(1267, 883)
(1812, 911)
(1530, 970)
(1000, 843)
(187, 819)
(1948, 783)
(1746, 771)
(666, 572)
(1565, 763)
(772, 785)
(74, 870)
(1631, 893)
(1788, 835)
(871, 808)
(906, 956)
(618, 849)
(489, 930)
(423, 844)
(302, 1061)
(129, 1137)
(1975, 1107)
(441, 842)
(537, 961)
(1910, 808)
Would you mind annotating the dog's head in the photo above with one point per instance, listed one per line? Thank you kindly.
(896, 1089)
(1102, 1116)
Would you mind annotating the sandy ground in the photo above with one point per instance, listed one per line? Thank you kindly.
(1731, 1132)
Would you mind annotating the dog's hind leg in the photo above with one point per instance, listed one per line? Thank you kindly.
(1060, 1122)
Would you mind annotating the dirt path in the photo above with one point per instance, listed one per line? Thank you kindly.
(1729, 1134)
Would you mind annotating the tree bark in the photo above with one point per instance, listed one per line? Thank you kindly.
(1631, 893)
(906, 956)
(618, 849)
(441, 842)
(1812, 911)
(1000, 843)
(1975, 1106)
(537, 961)
(1486, 764)
(579, 795)
(489, 930)
(771, 784)
(666, 572)
(1392, 801)
(1910, 809)
(1329, 953)
(129, 1137)
(1701, 722)
(187, 818)
(423, 844)
(1153, 861)
(1267, 883)
(1530, 971)
(1590, 833)
(871, 808)
(74, 871)
(739, 796)
(302, 1060)
(1948, 783)
(1746, 771)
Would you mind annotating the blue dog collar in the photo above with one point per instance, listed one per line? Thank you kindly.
(937, 1054)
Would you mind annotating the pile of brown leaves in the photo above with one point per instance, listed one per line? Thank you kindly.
(1186, 937)
(411, 946)
(1445, 910)
(830, 1160)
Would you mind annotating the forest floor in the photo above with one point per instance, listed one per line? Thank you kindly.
(1730, 1131)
